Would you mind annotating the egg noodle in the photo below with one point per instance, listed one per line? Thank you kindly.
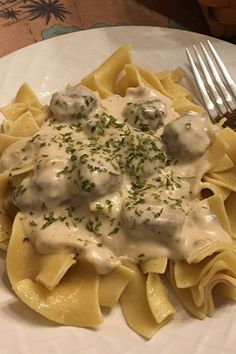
(115, 254)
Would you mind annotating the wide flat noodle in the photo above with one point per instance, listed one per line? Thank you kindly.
(74, 301)
(9, 180)
(156, 265)
(198, 298)
(135, 305)
(185, 296)
(225, 179)
(130, 78)
(207, 301)
(13, 111)
(53, 267)
(176, 75)
(5, 226)
(15, 177)
(207, 189)
(187, 275)
(24, 126)
(217, 206)
(224, 279)
(209, 250)
(226, 291)
(223, 164)
(197, 276)
(4, 183)
(112, 285)
(5, 126)
(159, 303)
(104, 77)
(181, 104)
(229, 136)
(221, 266)
(151, 80)
(21, 171)
(41, 117)
(164, 74)
(217, 150)
(6, 140)
(175, 89)
(26, 95)
(230, 208)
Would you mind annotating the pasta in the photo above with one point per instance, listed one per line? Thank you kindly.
(120, 182)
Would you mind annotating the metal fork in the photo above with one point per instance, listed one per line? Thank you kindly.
(216, 86)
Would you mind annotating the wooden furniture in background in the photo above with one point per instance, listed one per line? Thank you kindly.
(186, 12)
(212, 17)
(221, 16)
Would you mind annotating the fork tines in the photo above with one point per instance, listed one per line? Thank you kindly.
(216, 86)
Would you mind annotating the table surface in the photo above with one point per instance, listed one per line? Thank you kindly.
(23, 22)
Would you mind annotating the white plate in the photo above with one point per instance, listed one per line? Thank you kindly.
(48, 66)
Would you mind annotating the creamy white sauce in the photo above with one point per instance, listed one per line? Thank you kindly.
(104, 189)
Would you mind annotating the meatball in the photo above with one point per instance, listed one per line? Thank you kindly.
(97, 177)
(73, 104)
(97, 126)
(187, 136)
(48, 185)
(145, 115)
(160, 222)
(143, 154)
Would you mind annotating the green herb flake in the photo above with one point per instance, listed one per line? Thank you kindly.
(50, 219)
(114, 231)
(32, 223)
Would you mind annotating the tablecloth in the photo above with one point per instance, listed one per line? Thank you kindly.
(23, 22)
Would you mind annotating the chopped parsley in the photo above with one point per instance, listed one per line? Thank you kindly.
(114, 231)
(50, 219)
(93, 225)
